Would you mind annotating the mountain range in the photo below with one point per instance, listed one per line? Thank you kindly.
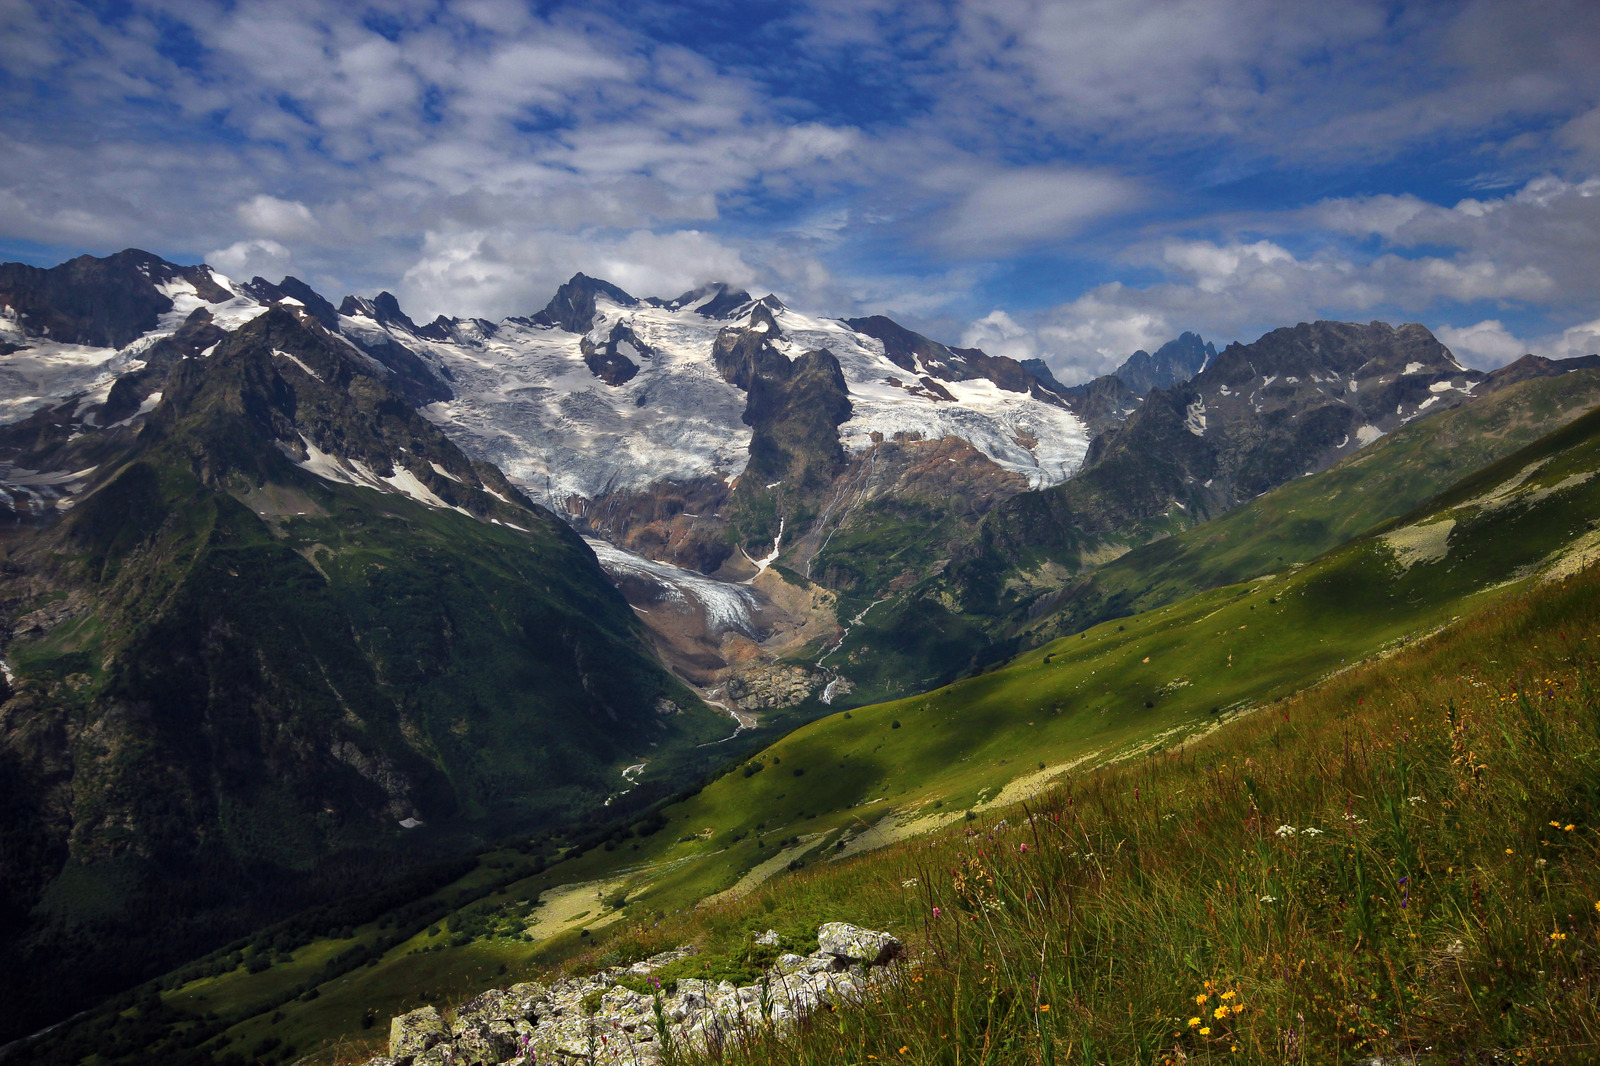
(300, 596)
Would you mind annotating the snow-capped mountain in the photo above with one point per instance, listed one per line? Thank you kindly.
(631, 394)
(598, 393)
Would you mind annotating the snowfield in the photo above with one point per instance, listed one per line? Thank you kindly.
(527, 401)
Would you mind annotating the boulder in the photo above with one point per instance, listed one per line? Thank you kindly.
(854, 944)
(412, 1034)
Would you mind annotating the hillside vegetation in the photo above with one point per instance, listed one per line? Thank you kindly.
(1129, 697)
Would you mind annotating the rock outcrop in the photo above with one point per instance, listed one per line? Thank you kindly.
(604, 1020)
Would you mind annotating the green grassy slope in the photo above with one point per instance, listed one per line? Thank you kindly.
(1308, 516)
(1140, 686)
(932, 633)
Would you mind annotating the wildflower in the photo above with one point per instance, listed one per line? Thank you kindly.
(1201, 998)
(1510, 852)
(1024, 849)
(1044, 1008)
(1555, 825)
(904, 1048)
(1558, 936)
(909, 883)
(1229, 994)
(1285, 831)
(1312, 831)
(1414, 800)
(936, 912)
(1568, 828)
(1205, 1030)
(1269, 899)
(1193, 1022)
(1220, 1013)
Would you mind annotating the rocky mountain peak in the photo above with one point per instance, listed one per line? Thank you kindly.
(573, 306)
(382, 308)
(101, 302)
(1175, 361)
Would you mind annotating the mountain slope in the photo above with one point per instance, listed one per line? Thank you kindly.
(1512, 534)
(1301, 519)
(289, 640)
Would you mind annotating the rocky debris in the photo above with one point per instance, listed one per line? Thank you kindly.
(412, 1034)
(763, 685)
(600, 1020)
(854, 944)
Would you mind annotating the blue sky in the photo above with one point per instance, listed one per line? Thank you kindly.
(1072, 179)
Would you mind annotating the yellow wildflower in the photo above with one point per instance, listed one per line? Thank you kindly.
(1220, 1012)
(1228, 994)
(1044, 1008)
(1193, 1022)
(1206, 1031)
(1201, 998)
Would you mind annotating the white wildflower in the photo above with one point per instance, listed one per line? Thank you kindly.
(909, 883)
(1312, 831)
(1269, 899)
(1286, 831)
(1414, 800)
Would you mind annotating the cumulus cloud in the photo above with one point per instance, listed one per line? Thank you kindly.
(494, 275)
(272, 217)
(243, 260)
(1485, 345)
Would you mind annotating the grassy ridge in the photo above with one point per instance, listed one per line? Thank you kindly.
(1404, 861)
(1304, 518)
(927, 635)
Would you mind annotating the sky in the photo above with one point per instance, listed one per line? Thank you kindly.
(1071, 180)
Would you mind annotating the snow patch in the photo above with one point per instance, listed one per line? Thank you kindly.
(297, 361)
(1195, 418)
(1367, 434)
(1412, 368)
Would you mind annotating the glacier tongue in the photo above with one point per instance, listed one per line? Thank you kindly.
(725, 606)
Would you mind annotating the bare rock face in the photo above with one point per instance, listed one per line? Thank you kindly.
(600, 1021)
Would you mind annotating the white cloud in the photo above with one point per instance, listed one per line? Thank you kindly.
(496, 274)
(246, 259)
(999, 334)
(1485, 345)
(269, 216)
(1017, 208)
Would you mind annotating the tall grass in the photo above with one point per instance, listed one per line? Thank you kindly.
(1401, 863)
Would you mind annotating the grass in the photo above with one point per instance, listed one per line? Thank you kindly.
(1402, 862)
